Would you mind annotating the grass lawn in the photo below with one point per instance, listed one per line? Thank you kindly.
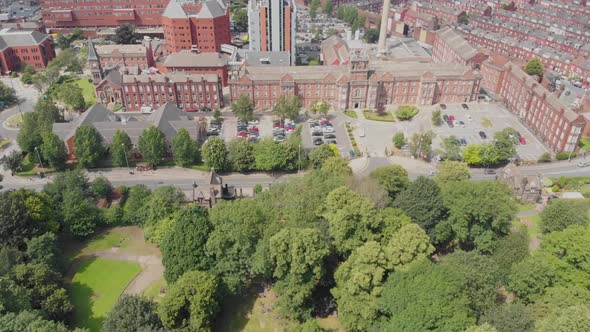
(351, 114)
(128, 239)
(153, 290)
(486, 123)
(14, 121)
(386, 117)
(95, 288)
(87, 90)
(4, 143)
(585, 144)
(526, 207)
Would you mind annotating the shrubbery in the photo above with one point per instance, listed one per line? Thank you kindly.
(406, 112)
(565, 155)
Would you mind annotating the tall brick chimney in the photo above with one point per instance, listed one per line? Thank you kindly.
(383, 31)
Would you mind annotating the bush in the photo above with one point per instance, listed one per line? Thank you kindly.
(437, 118)
(399, 140)
(545, 158)
(555, 188)
(406, 112)
(257, 189)
(565, 155)
(114, 215)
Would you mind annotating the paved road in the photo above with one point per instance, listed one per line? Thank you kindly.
(27, 98)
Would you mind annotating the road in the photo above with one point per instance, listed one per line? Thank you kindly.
(27, 98)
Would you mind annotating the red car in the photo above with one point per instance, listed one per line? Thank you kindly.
(522, 140)
(242, 134)
(254, 129)
(451, 118)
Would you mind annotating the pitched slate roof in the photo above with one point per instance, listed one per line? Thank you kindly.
(11, 38)
(91, 52)
(208, 9)
(211, 9)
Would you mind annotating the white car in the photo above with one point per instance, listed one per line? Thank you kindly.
(583, 163)
(253, 122)
(328, 129)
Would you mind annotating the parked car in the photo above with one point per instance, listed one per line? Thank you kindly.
(583, 163)
(446, 118)
(443, 106)
(253, 122)
(450, 123)
(328, 129)
(318, 141)
(317, 133)
(451, 118)
(483, 135)
(465, 106)
(242, 134)
(522, 140)
(463, 141)
(279, 138)
(462, 124)
(329, 135)
(331, 141)
(489, 171)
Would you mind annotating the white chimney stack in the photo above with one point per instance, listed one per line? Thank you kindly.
(384, 21)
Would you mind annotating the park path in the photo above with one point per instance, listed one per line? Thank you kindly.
(152, 269)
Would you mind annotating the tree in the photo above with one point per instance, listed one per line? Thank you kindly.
(288, 107)
(184, 149)
(7, 95)
(479, 214)
(237, 228)
(485, 327)
(409, 298)
(449, 171)
(163, 203)
(321, 154)
(16, 224)
(394, 179)
(101, 187)
(49, 113)
(423, 202)
(510, 317)
(215, 154)
(409, 244)
(328, 8)
(44, 249)
(152, 145)
(566, 252)
(451, 148)
(27, 76)
(530, 277)
(240, 19)
(560, 214)
(556, 299)
(313, 8)
(241, 155)
(54, 150)
(336, 167)
(191, 302)
(243, 108)
(80, 217)
(183, 247)
(320, 107)
(406, 112)
(421, 144)
(138, 198)
(371, 36)
(88, 147)
(510, 250)
(269, 155)
(572, 319)
(124, 34)
(463, 19)
(437, 118)
(534, 67)
(29, 321)
(472, 154)
(12, 161)
(69, 181)
(399, 139)
(120, 148)
(298, 259)
(133, 313)
(29, 135)
(71, 95)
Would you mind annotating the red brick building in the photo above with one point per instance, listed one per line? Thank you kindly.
(359, 85)
(450, 47)
(186, 91)
(557, 125)
(125, 55)
(67, 14)
(18, 48)
(195, 63)
(196, 25)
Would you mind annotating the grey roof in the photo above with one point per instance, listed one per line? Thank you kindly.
(189, 59)
(11, 38)
(91, 52)
(174, 10)
(168, 118)
(211, 9)
(457, 43)
(266, 58)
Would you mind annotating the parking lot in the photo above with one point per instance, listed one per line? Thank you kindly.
(489, 118)
(230, 125)
(342, 142)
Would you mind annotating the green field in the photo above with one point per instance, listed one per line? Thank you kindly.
(95, 288)
(386, 117)
(87, 90)
(351, 114)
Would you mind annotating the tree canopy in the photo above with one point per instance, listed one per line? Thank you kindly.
(152, 145)
(184, 149)
(243, 108)
(394, 179)
(534, 67)
(88, 147)
(560, 214)
(121, 148)
(133, 313)
(215, 154)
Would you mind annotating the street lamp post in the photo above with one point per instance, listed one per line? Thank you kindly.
(126, 160)
(40, 162)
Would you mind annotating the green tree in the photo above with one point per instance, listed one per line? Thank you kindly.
(451, 148)
(320, 107)
(124, 34)
(191, 302)
(394, 179)
(183, 247)
(556, 299)
(410, 296)
(449, 171)
(336, 166)
(288, 107)
(510, 317)
(269, 155)
(121, 148)
(133, 313)
(572, 319)
(7, 95)
(560, 214)
(184, 149)
(54, 150)
(472, 154)
(313, 8)
(71, 95)
(27, 76)
(30, 133)
(241, 155)
(510, 250)
(49, 113)
(423, 202)
(371, 36)
(80, 217)
(243, 108)
(88, 147)
(101, 187)
(29, 321)
(163, 202)
(530, 277)
(409, 244)
(479, 214)
(566, 252)
(421, 144)
(485, 327)
(399, 140)
(16, 223)
(134, 208)
(321, 154)
(215, 154)
(12, 161)
(406, 112)
(328, 8)
(237, 228)
(152, 145)
(240, 19)
(69, 181)
(534, 67)
(298, 259)
(44, 249)
(437, 118)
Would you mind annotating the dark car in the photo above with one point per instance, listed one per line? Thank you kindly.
(318, 141)
(463, 141)
(443, 106)
(446, 118)
(331, 141)
(465, 106)
(329, 136)
(483, 135)
(317, 133)
(450, 123)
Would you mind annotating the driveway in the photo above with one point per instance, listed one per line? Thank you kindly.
(27, 96)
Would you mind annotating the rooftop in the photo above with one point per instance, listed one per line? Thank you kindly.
(12, 38)
(103, 50)
(191, 59)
